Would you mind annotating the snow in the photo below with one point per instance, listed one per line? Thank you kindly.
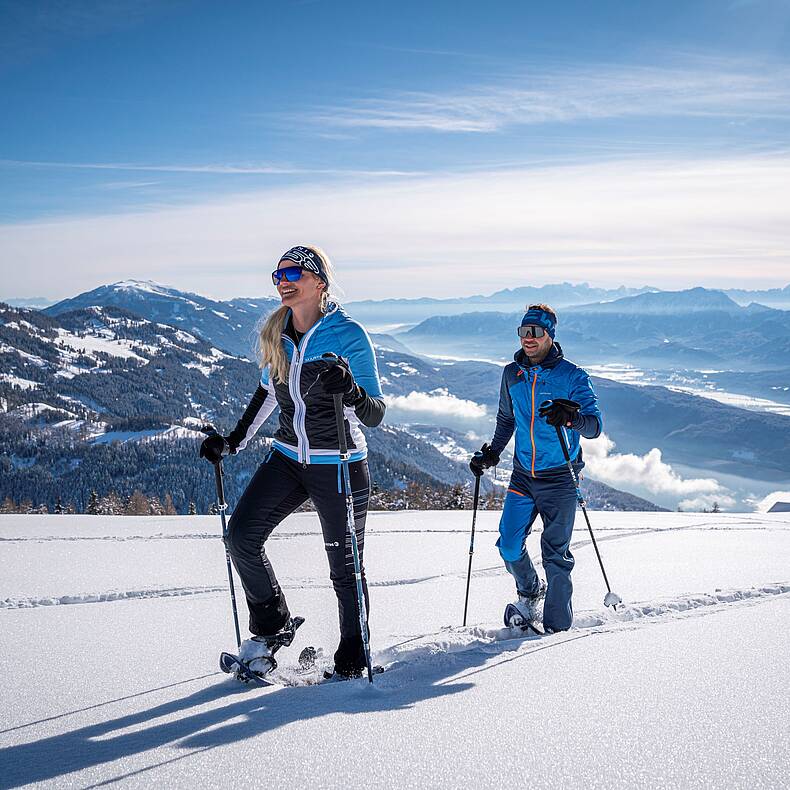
(185, 337)
(110, 630)
(16, 381)
(93, 344)
(221, 315)
(172, 432)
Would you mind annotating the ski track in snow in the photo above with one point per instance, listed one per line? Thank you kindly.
(742, 525)
(304, 583)
(444, 647)
(103, 597)
(460, 639)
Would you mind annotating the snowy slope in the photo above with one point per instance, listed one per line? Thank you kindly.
(110, 630)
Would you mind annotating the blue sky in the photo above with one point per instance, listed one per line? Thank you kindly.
(419, 143)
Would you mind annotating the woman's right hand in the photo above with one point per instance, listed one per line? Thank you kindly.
(214, 447)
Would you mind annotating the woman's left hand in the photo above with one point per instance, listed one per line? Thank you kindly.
(337, 379)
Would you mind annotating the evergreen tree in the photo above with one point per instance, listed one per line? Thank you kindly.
(58, 507)
(192, 509)
(93, 504)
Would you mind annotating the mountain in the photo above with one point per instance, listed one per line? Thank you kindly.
(35, 302)
(691, 430)
(229, 325)
(99, 398)
(773, 297)
(707, 327)
(381, 313)
(692, 300)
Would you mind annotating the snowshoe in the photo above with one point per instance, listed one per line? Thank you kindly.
(256, 655)
(526, 609)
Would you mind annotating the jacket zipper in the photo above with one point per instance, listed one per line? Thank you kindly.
(532, 421)
(300, 408)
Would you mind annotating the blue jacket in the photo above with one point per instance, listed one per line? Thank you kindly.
(524, 388)
(307, 430)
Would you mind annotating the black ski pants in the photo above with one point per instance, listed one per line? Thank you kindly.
(278, 487)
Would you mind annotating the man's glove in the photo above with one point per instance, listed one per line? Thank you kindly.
(483, 459)
(337, 379)
(214, 447)
(559, 411)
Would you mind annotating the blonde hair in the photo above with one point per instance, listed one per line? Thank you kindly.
(270, 346)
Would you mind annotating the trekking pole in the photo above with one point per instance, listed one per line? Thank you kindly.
(222, 505)
(472, 543)
(610, 599)
(344, 457)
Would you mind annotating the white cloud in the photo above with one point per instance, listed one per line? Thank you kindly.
(208, 169)
(698, 88)
(667, 223)
(438, 401)
(649, 473)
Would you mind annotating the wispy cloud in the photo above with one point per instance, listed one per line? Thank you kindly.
(673, 223)
(708, 88)
(208, 169)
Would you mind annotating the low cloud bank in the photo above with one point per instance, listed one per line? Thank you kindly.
(438, 401)
(649, 475)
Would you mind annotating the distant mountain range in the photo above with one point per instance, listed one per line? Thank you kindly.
(697, 328)
(180, 359)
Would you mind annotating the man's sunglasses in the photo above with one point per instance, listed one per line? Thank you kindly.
(531, 331)
(291, 274)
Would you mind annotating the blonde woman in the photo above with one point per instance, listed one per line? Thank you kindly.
(304, 461)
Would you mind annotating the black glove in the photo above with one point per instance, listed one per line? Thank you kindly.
(559, 411)
(214, 447)
(483, 459)
(337, 379)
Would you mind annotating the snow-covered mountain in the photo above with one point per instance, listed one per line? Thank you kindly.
(99, 387)
(228, 325)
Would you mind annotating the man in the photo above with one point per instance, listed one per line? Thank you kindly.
(540, 390)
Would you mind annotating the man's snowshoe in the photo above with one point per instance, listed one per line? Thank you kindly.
(526, 610)
(256, 655)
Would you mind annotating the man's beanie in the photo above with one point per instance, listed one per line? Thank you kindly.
(537, 317)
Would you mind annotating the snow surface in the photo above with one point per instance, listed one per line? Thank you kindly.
(110, 630)
(94, 343)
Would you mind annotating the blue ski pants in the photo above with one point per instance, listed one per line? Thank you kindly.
(554, 500)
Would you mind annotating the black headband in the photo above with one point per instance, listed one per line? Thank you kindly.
(307, 259)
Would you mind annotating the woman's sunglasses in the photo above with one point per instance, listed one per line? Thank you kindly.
(290, 273)
(531, 331)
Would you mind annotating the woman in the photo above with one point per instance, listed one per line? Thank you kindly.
(304, 461)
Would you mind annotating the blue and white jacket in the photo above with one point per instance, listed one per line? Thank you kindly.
(307, 432)
(538, 452)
